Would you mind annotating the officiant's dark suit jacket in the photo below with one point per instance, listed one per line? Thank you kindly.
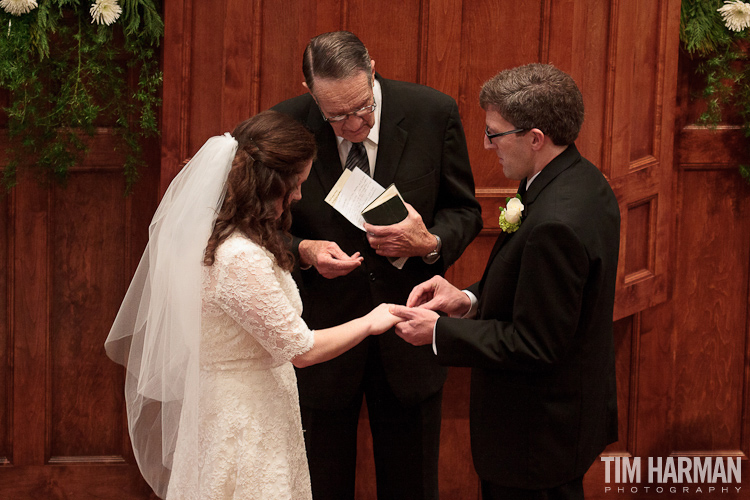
(543, 400)
(422, 149)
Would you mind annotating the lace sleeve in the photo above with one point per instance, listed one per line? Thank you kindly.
(261, 298)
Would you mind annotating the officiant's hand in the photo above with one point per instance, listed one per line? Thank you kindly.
(437, 294)
(408, 238)
(417, 324)
(328, 258)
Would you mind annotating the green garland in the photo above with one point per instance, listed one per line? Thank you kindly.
(724, 60)
(67, 74)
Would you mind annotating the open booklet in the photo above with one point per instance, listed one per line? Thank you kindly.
(360, 199)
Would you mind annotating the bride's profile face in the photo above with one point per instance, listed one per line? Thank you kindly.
(296, 193)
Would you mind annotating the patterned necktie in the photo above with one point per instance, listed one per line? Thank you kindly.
(358, 158)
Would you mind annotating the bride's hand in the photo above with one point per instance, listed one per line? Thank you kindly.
(381, 320)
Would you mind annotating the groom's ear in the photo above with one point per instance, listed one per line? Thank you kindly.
(537, 139)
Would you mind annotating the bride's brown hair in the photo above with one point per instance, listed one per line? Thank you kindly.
(273, 150)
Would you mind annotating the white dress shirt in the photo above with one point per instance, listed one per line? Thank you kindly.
(372, 139)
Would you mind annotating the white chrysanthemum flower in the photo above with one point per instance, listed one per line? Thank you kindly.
(18, 7)
(736, 15)
(105, 11)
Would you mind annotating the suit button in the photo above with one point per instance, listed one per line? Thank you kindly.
(372, 276)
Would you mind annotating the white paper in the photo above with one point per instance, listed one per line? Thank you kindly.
(352, 193)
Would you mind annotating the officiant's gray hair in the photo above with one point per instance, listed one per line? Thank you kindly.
(335, 55)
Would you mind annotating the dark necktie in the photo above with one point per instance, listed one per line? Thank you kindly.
(358, 158)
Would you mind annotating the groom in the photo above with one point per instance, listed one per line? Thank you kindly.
(537, 328)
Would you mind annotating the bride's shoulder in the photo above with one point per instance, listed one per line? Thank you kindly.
(239, 246)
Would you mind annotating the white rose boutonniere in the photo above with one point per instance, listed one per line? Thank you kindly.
(510, 216)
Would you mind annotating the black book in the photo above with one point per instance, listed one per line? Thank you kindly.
(386, 209)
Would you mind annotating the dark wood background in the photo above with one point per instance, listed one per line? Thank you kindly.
(682, 292)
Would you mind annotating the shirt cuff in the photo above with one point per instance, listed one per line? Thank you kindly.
(434, 345)
(472, 312)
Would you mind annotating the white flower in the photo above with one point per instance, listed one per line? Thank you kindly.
(513, 210)
(736, 15)
(510, 216)
(105, 11)
(18, 7)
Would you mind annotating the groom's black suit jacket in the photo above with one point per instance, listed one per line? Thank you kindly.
(422, 149)
(543, 397)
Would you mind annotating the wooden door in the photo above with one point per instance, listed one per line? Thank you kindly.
(68, 254)
(634, 141)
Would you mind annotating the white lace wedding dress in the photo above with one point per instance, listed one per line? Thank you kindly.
(250, 443)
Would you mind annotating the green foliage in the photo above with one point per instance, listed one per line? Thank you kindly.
(724, 61)
(67, 75)
(702, 29)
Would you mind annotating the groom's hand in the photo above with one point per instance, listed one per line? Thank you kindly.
(327, 258)
(417, 324)
(437, 294)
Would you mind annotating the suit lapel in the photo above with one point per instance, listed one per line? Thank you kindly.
(392, 136)
(547, 175)
(328, 164)
(500, 240)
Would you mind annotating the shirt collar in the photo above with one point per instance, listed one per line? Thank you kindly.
(530, 180)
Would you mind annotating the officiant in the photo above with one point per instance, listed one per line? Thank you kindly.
(409, 135)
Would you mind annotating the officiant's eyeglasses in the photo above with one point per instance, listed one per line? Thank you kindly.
(360, 113)
(500, 134)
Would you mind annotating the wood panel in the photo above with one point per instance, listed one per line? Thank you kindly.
(490, 43)
(5, 321)
(710, 361)
(639, 159)
(6, 306)
(396, 55)
(627, 345)
(81, 482)
(578, 27)
(207, 65)
(86, 407)
(30, 298)
(177, 45)
(711, 375)
(72, 251)
(442, 24)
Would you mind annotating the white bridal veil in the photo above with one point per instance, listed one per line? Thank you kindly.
(156, 333)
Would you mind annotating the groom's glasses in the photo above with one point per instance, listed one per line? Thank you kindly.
(500, 134)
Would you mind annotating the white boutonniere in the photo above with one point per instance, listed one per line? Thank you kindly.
(510, 216)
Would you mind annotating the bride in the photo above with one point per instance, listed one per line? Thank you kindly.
(210, 327)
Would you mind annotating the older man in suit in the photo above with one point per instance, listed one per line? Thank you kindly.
(401, 133)
(537, 328)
